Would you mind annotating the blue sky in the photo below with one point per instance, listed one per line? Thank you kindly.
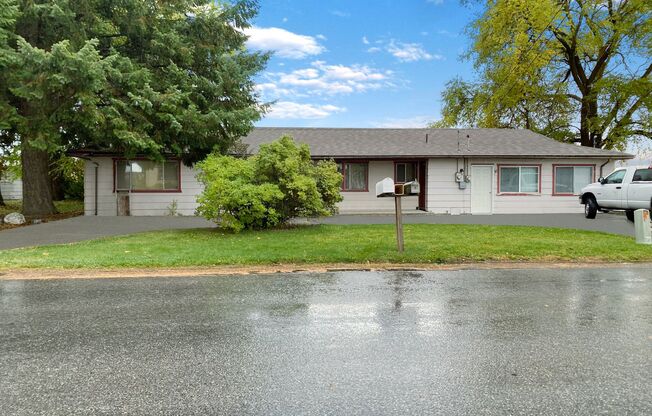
(380, 63)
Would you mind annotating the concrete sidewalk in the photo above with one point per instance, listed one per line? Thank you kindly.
(88, 228)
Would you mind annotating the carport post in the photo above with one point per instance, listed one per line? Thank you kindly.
(399, 223)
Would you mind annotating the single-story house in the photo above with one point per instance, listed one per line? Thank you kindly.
(466, 171)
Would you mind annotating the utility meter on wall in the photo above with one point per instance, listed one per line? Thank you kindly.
(461, 179)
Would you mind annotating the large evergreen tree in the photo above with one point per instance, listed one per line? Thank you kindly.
(134, 76)
(575, 70)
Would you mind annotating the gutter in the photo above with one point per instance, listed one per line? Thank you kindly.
(602, 167)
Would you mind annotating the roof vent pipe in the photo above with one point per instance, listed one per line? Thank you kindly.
(426, 137)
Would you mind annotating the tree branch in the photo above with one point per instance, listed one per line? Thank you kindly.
(645, 133)
(632, 109)
(574, 97)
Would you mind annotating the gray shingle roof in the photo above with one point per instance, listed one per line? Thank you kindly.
(411, 143)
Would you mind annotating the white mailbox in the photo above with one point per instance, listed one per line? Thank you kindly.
(411, 188)
(385, 188)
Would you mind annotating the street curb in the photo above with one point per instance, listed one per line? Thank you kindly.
(47, 274)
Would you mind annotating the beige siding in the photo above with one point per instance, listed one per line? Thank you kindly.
(443, 194)
(11, 189)
(445, 197)
(158, 203)
(367, 201)
(142, 204)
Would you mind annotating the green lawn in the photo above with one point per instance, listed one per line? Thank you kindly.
(333, 244)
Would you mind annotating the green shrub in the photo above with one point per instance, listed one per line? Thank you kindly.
(280, 183)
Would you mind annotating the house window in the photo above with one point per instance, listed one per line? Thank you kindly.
(569, 180)
(405, 172)
(354, 175)
(519, 179)
(147, 176)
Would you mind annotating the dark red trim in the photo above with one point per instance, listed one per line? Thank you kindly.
(554, 173)
(423, 196)
(366, 179)
(498, 193)
(149, 191)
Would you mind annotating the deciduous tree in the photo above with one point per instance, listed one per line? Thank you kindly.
(575, 70)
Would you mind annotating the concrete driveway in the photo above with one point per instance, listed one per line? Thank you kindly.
(82, 228)
(87, 228)
(475, 342)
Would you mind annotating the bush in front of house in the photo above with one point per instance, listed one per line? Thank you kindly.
(281, 182)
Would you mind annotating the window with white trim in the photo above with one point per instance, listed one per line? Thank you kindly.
(147, 175)
(569, 180)
(519, 179)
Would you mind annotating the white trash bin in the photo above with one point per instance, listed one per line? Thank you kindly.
(642, 226)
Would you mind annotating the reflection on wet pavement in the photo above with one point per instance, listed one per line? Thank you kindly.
(442, 342)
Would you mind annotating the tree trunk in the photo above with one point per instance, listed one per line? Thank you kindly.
(58, 193)
(589, 135)
(585, 133)
(596, 135)
(2, 201)
(37, 189)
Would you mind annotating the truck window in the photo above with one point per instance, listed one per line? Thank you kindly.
(642, 175)
(616, 177)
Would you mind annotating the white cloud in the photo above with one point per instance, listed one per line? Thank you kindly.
(445, 32)
(270, 89)
(324, 79)
(320, 37)
(365, 40)
(404, 52)
(410, 52)
(286, 44)
(435, 2)
(340, 13)
(285, 19)
(292, 110)
(408, 122)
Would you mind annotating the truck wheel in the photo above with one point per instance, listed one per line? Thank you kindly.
(630, 215)
(590, 208)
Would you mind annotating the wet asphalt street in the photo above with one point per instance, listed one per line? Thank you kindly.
(550, 342)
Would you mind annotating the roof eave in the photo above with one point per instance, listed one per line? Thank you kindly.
(621, 156)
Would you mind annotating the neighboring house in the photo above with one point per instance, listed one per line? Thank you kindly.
(11, 189)
(505, 171)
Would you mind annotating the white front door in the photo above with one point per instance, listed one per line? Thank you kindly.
(481, 189)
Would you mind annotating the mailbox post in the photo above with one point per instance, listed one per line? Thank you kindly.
(399, 223)
(385, 189)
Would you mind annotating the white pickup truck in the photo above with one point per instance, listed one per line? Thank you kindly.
(625, 189)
